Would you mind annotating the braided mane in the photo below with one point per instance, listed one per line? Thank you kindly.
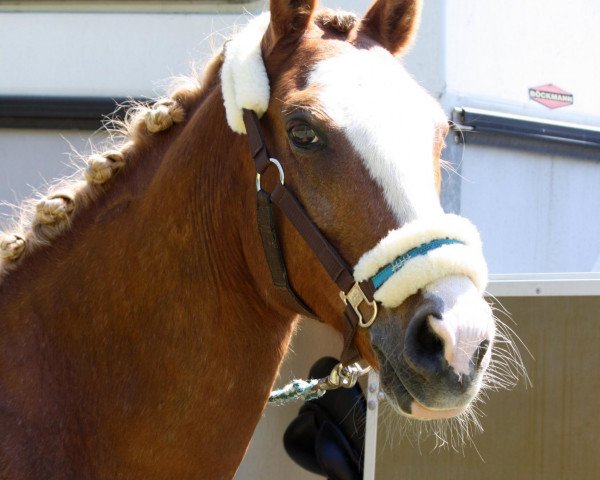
(41, 220)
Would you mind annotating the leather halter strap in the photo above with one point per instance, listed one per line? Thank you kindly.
(267, 229)
(334, 264)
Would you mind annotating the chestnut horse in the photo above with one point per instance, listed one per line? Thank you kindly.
(140, 330)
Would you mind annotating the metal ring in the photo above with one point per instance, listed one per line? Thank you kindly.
(275, 162)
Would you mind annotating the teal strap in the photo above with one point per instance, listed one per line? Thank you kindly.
(296, 390)
(386, 272)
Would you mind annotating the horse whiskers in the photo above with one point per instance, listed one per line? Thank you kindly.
(453, 433)
(506, 352)
(504, 372)
(448, 166)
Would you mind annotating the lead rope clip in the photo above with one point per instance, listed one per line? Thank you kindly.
(340, 377)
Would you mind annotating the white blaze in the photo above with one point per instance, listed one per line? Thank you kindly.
(389, 119)
(467, 321)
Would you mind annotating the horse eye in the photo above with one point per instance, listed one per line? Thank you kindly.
(302, 135)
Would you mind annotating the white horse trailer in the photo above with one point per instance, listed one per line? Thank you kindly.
(519, 80)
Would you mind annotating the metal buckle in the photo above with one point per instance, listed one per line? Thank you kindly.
(343, 376)
(355, 297)
(275, 162)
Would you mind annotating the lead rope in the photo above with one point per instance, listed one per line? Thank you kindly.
(340, 377)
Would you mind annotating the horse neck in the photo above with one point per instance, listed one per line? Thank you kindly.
(147, 324)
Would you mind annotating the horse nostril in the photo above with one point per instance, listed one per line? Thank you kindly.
(427, 341)
(480, 352)
(424, 348)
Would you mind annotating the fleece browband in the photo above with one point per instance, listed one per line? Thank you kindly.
(407, 259)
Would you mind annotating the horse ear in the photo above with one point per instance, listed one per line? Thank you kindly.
(289, 18)
(393, 23)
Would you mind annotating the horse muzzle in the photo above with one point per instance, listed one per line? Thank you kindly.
(433, 351)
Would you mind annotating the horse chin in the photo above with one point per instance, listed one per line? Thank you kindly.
(404, 403)
(421, 412)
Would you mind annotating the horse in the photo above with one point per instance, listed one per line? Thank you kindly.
(141, 329)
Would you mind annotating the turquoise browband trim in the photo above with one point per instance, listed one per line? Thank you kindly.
(386, 272)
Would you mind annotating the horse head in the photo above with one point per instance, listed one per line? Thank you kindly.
(359, 142)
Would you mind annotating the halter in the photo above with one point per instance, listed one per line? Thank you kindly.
(359, 297)
(353, 294)
(405, 261)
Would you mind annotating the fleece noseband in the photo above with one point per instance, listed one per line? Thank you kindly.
(406, 260)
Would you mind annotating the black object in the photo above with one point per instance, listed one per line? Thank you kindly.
(473, 120)
(328, 435)
(47, 112)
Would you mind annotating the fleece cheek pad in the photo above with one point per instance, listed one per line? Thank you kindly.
(244, 79)
(459, 253)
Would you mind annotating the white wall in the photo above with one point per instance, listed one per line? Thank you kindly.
(537, 204)
(497, 50)
(536, 214)
(116, 54)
